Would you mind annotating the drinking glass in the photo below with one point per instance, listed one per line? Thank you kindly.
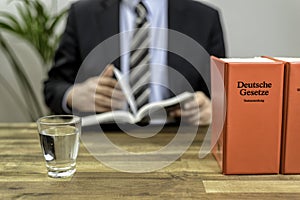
(59, 139)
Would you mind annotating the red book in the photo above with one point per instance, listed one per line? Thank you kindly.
(251, 109)
(290, 162)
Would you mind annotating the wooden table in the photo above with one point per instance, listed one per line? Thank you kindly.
(23, 174)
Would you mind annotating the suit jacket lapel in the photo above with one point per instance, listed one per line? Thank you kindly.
(109, 9)
(176, 15)
(176, 22)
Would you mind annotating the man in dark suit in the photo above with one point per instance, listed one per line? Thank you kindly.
(91, 22)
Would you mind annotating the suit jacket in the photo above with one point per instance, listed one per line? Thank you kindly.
(91, 22)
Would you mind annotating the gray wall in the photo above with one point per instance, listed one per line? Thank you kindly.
(252, 28)
(260, 27)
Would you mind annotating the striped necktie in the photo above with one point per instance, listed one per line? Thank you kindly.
(140, 75)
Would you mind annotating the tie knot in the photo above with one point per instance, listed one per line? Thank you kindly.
(141, 11)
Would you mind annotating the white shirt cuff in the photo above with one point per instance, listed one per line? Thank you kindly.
(64, 101)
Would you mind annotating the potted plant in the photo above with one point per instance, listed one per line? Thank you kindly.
(38, 26)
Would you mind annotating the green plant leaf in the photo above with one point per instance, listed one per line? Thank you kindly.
(57, 19)
(42, 14)
(29, 25)
(11, 21)
(7, 27)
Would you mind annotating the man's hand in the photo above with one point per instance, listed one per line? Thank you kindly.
(196, 112)
(97, 94)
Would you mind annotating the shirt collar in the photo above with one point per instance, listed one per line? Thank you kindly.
(151, 5)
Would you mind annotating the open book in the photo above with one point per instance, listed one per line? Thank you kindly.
(135, 115)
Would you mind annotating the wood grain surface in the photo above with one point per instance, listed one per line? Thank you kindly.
(23, 173)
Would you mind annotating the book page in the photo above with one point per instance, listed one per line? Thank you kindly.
(127, 117)
(286, 59)
(126, 90)
(109, 117)
(144, 111)
(248, 60)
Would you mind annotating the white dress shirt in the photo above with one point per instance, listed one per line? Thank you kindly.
(157, 17)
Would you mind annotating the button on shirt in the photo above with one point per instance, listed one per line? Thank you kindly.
(157, 17)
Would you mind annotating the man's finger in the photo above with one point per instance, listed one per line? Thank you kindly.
(108, 103)
(190, 113)
(191, 105)
(175, 113)
(205, 117)
(108, 71)
(107, 81)
(194, 119)
(110, 92)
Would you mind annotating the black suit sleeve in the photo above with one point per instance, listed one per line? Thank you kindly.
(66, 64)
